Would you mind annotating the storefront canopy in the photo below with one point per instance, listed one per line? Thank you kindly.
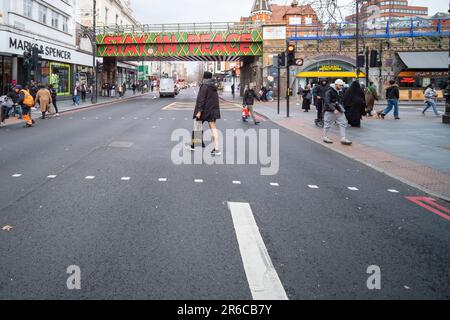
(330, 74)
(425, 60)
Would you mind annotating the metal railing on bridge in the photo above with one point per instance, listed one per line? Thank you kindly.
(178, 27)
(401, 28)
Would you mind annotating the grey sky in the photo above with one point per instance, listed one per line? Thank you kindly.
(179, 11)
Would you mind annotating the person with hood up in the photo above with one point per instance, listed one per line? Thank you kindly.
(207, 109)
(334, 112)
(319, 99)
(355, 104)
(392, 96)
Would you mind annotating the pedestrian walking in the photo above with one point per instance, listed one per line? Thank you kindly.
(354, 104)
(249, 101)
(134, 88)
(392, 96)
(76, 95)
(44, 99)
(319, 100)
(430, 100)
(307, 98)
(120, 90)
(26, 102)
(83, 92)
(6, 103)
(335, 112)
(232, 89)
(54, 95)
(371, 96)
(207, 109)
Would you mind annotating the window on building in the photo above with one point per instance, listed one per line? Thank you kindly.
(106, 16)
(28, 8)
(55, 20)
(65, 24)
(308, 20)
(295, 20)
(42, 14)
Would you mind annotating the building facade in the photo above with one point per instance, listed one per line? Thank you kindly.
(48, 25)
(374, 11)
(110, 13)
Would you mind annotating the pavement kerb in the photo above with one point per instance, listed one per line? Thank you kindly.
(376, 168)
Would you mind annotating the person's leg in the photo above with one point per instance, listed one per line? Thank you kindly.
(329, 119)
(342, 122)
(389, 107)
(434, 106)
(252, 113)
(26, 116)
(3, 115)
(396, 110)
(427, 106)
(213, 127)
(55, 104)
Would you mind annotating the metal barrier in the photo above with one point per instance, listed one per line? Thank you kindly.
(180, 27)
(401, 28)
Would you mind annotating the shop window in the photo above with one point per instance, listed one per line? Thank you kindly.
(60, 76)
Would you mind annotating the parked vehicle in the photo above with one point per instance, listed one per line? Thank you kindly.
(167, 88)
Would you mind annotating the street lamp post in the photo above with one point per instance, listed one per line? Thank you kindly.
(94, 53)
(358, 70)
(446, 116)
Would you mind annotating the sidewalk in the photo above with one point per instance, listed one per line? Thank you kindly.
(67, 106)
(415, 149)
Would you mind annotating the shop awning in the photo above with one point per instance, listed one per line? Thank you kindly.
(425, 60)
(331, 74)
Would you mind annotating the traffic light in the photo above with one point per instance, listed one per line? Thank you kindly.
(374, 59)
(291, 55)
(36, 58)
(27, 58)
(282, 60)
(361, 61)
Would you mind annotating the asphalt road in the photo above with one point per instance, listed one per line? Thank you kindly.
(143, 228)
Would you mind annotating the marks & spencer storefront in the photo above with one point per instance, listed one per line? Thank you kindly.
(60, 65)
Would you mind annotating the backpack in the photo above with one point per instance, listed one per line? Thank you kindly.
(28, 99)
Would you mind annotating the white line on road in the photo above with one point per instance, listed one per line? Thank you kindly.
(236, 182)
(125, 179)
(198, 180)
(313, 186)
(52, 176)
(90, 177)
(162, 179)
(393, 191)
(17, 175)
(353, 189)
(274, 184)
(262, 277)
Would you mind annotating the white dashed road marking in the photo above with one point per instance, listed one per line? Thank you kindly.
(162, 179)
(125, 179)
(52, 176)
(274, 184)
(198, 180)
(17, 175)
(393, 191)
(353, 189)
(261, 275)
(312, 186)
(90, 177)
(236, 182)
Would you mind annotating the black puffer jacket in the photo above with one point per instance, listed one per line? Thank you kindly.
(334, 100)
(249, 97)
(208, 101)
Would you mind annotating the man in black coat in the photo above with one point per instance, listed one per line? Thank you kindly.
(335, 112)
(207, 109)
(319, 99)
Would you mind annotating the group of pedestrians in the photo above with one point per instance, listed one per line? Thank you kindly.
(113, 89)
(21, 100)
